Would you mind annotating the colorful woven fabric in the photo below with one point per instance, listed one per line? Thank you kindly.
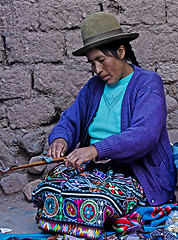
(79, 204)
(149, 218)
(70, 229)
(153, 217)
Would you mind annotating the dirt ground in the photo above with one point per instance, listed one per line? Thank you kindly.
(17, 214)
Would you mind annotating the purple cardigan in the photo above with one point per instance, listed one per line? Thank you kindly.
(143, 141)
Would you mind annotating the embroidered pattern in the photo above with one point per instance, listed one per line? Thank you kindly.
(84, 200)
(89, 211)
(70, 209)
(51, 206)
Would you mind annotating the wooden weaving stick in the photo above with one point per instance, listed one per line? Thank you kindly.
(43, 162)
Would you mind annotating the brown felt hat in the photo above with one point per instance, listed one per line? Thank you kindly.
(101, 28)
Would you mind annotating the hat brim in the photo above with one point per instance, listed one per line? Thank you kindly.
(127, 36)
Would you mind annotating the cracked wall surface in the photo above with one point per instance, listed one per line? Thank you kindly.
(39, 77)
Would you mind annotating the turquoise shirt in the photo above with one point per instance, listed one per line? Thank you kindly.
(108, 117)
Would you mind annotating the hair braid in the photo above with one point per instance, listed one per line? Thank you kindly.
(130, 54)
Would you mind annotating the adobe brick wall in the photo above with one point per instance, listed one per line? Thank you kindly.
(39, 77)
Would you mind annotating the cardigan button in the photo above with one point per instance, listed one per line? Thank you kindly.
(152, 201)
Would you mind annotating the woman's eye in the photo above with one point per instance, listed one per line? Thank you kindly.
(101, 60)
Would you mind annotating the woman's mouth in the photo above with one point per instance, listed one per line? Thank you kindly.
(105, 78)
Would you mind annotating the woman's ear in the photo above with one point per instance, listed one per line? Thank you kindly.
(121, 52)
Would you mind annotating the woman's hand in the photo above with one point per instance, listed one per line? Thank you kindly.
(58, 148)
(81, 155)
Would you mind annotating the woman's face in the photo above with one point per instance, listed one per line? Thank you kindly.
(109, 68)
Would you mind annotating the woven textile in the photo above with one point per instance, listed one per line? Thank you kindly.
(148, 218)
(79, 203)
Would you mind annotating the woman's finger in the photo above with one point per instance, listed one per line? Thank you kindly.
(49, 152)
(52, 151)
(71, 161)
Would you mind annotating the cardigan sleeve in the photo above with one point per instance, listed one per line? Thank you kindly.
(71, 122)
(147, 121)
(74, 120)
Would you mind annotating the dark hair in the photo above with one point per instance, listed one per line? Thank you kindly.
(111, 50)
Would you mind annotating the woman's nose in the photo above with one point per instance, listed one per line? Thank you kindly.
(98, 69)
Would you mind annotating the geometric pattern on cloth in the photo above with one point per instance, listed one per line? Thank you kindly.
(85, 199)
(70, 229)
(112, 99)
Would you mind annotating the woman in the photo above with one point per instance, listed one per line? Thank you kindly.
(119, 121)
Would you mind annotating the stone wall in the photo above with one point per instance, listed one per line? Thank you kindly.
(39, 77)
